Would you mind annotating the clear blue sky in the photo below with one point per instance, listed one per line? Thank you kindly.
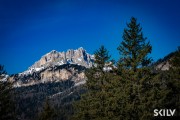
(31, 28)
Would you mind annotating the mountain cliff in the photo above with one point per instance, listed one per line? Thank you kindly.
(79, 56)
(164, 63)
(56, 66)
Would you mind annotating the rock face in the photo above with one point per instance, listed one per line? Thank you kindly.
(164, 63)
(56, 66)
(78, 56)
(163, 66)
(55, 73)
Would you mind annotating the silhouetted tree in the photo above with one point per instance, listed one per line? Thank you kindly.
(7, 106)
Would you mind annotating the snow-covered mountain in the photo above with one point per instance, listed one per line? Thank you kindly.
(56, 66)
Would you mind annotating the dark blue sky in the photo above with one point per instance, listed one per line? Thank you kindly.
(31, 28)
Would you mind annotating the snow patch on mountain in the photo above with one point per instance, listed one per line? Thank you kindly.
(3, 77)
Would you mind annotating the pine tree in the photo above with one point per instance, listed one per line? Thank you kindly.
(133, 48)
(7, 106)
(96, 73)
(133, 68)
(96, 103)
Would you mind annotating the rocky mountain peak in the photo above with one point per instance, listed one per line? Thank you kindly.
(53, 52)
(56, 66)
(78, 56)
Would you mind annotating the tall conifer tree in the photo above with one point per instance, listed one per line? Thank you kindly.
(134, 48)
(94, 104)
(133, 67)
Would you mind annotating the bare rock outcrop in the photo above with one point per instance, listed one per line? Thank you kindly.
(56, 66)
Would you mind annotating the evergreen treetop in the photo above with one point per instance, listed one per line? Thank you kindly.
(134, 48)
(102, 58)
